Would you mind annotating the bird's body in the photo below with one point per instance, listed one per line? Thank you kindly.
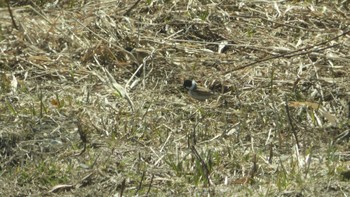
(197, 92)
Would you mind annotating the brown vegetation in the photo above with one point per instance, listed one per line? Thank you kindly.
(92, 100)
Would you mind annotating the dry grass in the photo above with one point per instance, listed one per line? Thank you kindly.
(92, 103)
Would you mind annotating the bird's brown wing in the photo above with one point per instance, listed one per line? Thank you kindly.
(204, 91)
(201, 93)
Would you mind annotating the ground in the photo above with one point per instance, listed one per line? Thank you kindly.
(92, 102)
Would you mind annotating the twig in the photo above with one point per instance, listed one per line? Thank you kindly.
(305, 50)
(122, 188)
(82, 135)
(203, 164)
(254, 169)
(12, 18)
(150, 185)
(41, 103)
(131, 8)
(271, 153)
(291, 124)
(140, 185)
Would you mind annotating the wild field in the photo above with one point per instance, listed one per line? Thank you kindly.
(93, 103)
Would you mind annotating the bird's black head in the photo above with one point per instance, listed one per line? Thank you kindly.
(189, 84)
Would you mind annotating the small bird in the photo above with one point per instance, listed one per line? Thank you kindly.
(197, 92)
